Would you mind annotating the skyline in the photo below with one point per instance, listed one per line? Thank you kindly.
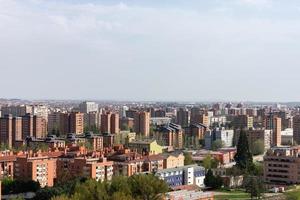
(238, 50)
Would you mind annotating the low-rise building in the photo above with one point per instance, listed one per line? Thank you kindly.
(145, 147)
(128, 164)
(97, 168)
(185, 175)
(173, 160)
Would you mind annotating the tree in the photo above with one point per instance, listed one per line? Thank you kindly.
(91, 190)
(147, 187)
(258, 147)
(120, 184)
(209, 179)
(212, 181)
(188, 160)
(210, 163)
(217, 144)
(253, 186)
(243, 156)
(140, 187)
(121, 196)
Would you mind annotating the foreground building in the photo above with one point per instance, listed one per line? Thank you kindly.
(185, 175)
(282, 165)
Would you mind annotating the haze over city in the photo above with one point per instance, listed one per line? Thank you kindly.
(235, 50)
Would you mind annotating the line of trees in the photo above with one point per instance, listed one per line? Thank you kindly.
(138, 187)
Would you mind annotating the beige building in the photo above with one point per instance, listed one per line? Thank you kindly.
(173, 160)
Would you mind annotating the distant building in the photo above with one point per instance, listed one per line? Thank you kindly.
(92, 120)
(242, 121)
(194, 134)
(76, 122)
(160, 120)
(254, 135)
(287, 137)
(110, 123)
(16, 111)
(272, 122)
(182, 117)
(296, 129)
(145, 147)
(226, 136)
(171, 135)
(142, 123)
(64, 123)
(88, 106)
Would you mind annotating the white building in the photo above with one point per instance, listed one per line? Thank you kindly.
(226, 136)
(88, 106)
(287, 136)
(185, 175)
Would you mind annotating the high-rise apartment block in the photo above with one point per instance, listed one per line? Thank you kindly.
(142, 123)
(273, 122)
(88, 106)
(110, 123)
(76, 122)
(66, 123)
(296, 129)
(182, 117)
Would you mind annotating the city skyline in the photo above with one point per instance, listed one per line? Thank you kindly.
(238, 50)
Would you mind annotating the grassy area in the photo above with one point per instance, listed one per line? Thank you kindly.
(232, 195)
(293, 195)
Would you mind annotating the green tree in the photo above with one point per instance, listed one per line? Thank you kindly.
(210, 163)
(217, 144)
(258, 147)
(253, 186)
(212, 181)
(188, 160)
(120, 184)
(91, 190)
(121, 196)
(209, 179)
(147, 187)
(243, 156)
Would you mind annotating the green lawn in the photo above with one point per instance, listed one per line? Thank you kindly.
(293, 195)
(232, 195)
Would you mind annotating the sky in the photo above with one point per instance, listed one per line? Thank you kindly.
(162, 50)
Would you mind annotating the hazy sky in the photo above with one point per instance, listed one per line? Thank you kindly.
(150, 50)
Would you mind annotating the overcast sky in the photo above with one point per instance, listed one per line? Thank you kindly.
(150, 50)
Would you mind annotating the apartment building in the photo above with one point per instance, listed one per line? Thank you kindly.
(282, 165)
(38, 168)
(97, 168)
(185, 175)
